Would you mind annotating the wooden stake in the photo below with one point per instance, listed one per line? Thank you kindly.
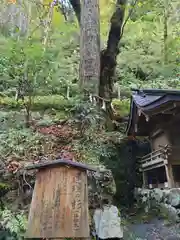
(169, 175)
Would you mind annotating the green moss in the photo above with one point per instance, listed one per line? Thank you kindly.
(51, 102)
(39, 103)
(61, 115)
(52, 117)
(121, 106)
(4, 186)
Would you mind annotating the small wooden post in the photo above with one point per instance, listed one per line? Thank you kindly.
(145, 181)
(59, 207)
(169, 175)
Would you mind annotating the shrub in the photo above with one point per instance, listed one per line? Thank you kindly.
(14, 223)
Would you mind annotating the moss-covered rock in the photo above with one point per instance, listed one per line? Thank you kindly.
(101, 185)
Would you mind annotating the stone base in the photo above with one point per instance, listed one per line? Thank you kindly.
(167, 200)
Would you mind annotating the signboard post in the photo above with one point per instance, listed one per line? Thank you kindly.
(59, 207)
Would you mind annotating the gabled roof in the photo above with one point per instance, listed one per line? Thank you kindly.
(146, 104)
(60, 162)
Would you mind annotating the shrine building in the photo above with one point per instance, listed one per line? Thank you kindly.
(155, 115)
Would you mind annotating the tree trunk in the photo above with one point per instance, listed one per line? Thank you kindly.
(165, 34)
(48, 23)
(108, 56)
(108, 59)
(12, 17)
(90, 46)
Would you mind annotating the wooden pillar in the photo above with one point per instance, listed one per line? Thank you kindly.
(169, 175)
(145, 180)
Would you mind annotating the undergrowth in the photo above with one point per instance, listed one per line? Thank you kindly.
(12, 224)
(39, 103)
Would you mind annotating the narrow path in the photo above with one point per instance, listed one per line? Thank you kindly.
(155, 230)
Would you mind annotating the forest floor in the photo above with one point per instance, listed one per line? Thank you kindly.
(154, 230)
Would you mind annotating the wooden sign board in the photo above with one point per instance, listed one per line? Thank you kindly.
(59, 207)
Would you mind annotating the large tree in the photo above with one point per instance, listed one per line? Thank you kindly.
(109, 55)
(90, 46)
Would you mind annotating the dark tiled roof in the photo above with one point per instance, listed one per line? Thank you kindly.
(149, 102)
(157, 91)
(144, 100)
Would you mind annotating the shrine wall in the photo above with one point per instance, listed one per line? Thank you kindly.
(174, 135)
(159, 140)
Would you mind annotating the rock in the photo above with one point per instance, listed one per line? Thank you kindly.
(166, 196)
(157, 194)
(170, 212)
(168, 200)
(101, 185)
(142, 195)
(174, 197)
(178, 212)
(137, 192)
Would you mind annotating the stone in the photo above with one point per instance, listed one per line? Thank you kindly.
(178, 212)
(168, 200)
(137, 192)
(101, 185)
(174, 197)
(141, 195)
(107, 222)
(170, 211)
(166, 196)
(157, 194)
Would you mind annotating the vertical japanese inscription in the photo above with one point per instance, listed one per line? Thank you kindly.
(46, 220)
(64, 180)
(62, 219)
(76, 202)
(56, 207)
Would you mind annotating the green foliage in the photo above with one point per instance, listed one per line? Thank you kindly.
(15, 223)
(141, 62)
(121, 106)
(95, 141)
(4, 185)
(4, 188)
(19, 142)
(49, 75)
(15, 139)
(38, 71)
(39, 103)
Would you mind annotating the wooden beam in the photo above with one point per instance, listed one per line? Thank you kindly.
(145, 180)
(154, 162)
(169, 175)
(152, 167)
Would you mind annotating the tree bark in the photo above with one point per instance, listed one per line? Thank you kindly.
(108, 56)
(108, 59)
(165, 33)
(90, 46)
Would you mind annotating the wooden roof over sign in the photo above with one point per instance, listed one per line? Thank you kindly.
(149, 107)
(60, 162)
